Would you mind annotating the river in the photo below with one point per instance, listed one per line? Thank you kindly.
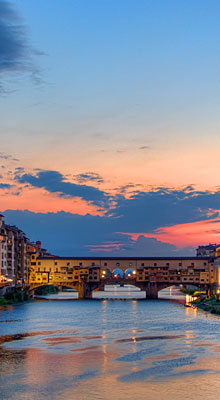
(107, 349)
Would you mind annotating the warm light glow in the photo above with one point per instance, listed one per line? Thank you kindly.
(183, 235)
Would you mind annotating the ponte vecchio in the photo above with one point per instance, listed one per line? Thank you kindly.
(150, 274)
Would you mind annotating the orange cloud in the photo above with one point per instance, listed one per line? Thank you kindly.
(40, 201)
(184, 235)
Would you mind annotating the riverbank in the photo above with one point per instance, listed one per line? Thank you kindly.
(199, 300)
(15, 297)
(209, 304)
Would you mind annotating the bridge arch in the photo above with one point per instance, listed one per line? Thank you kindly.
(106, 273)
(130, 273)
(118, 273)
(42, 285)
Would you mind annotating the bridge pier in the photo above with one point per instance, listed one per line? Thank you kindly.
(84, 290)
(151, 291)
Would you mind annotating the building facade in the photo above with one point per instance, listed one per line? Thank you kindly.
(146, 273)
(15, 249)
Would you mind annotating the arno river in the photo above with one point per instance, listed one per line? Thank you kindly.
(108, 350)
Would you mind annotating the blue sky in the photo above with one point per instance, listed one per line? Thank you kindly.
(103, 103)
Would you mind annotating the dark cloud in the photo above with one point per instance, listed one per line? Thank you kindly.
(88, 176)
(54, 182)
(68, 234)
(5, 186)
(65, 233)
(19, 169)
(146, 211)
(16, 55)
(144, 148)
(150, 247)
(7, 157)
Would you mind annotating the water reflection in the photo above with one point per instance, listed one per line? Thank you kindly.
(118, 292)
(103, 350)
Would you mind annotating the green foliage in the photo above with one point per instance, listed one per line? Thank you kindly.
(188, 291)
(197, 301)
(17, 296)
(193, 292)
(2, 301)
(44, 290)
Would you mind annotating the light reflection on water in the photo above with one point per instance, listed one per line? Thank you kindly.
(119, 292)
(108, 350)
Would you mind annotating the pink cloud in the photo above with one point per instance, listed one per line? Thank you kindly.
(105, 247)
(184, 235)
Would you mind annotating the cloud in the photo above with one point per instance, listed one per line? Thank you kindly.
(7, 157)
(69, 234)
(144, 148)
(191, 234)
(163, 221)
(16, 55)
(88, 176)
(147, 211)
(5, 186)
(54, 182)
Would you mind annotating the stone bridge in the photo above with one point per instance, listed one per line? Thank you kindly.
(149, 274)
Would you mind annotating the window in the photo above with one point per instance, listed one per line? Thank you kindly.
(93, 264)
(39, 263)
(80, 264)
(105, 264)
(55, 263)
(118, 264)
(33, 263)
(180, 264)
(167, 264)
(142, 264)
(192, 264)
(205, 263)
(155, 264)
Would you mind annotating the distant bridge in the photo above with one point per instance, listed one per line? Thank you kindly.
(149, 274)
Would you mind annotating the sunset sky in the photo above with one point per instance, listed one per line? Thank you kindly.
(109, 124)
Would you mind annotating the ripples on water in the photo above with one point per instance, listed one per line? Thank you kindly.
(108, 350)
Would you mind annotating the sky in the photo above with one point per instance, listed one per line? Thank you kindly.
(109, 124)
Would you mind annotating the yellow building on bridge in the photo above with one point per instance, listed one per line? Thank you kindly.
(148, 273)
